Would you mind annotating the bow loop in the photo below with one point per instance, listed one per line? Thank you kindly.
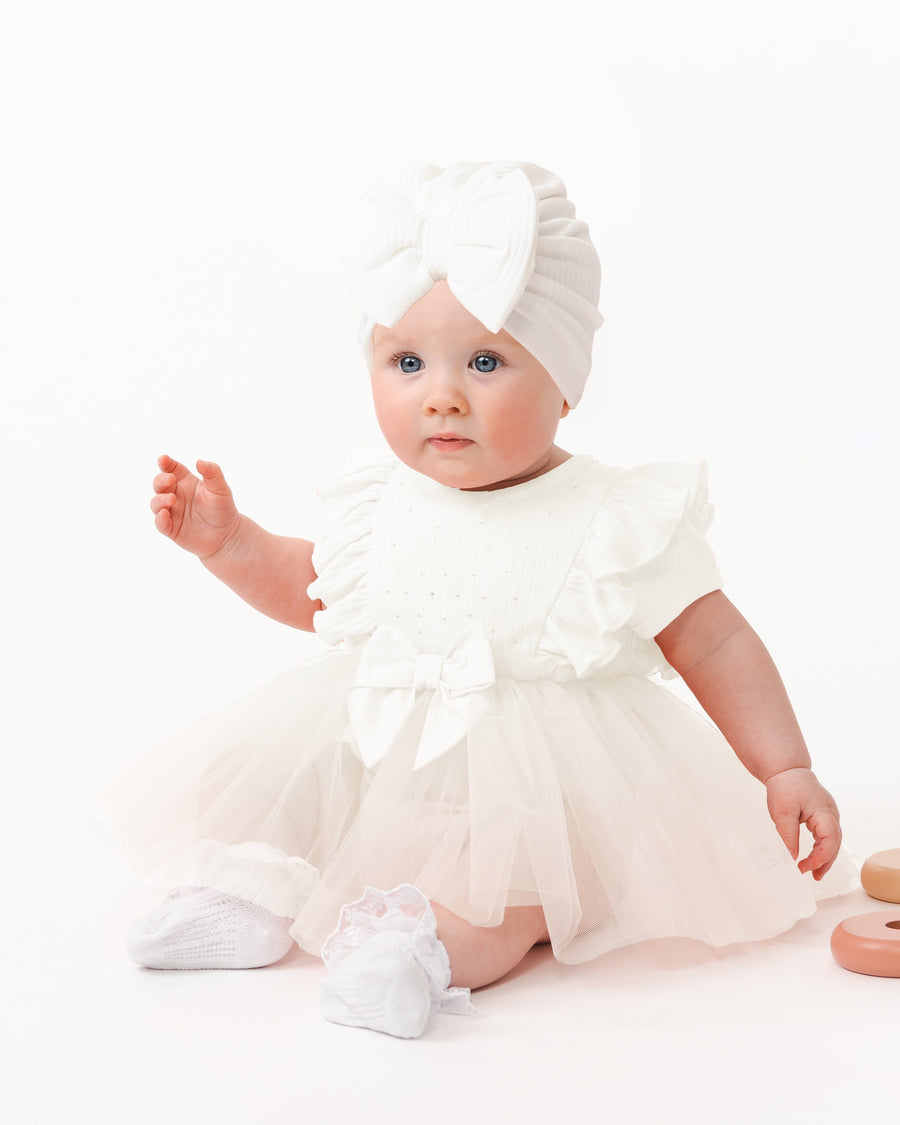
(392, 675)
(478, 231)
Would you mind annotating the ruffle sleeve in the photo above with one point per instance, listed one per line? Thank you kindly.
(340, 556)
(644, 559)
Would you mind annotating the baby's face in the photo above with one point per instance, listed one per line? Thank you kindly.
(469, 408)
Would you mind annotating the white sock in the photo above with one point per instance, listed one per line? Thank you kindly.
(379, 986)
(201, 928)
(387, 968)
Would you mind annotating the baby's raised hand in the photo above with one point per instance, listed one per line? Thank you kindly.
(198, 513)
(795, 797)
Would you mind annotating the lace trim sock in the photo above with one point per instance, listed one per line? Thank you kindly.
(387, 968)
(202, 928)
(379, 986)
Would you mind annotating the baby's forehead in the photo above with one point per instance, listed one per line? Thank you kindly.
(437, 315)
(444, 338)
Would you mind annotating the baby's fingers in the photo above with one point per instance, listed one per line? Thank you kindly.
(161, 506)
(826, 830)
(170, 466)
(164, 482)
(173, 472)
(213, 478)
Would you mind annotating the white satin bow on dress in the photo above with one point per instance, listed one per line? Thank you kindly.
(478, 230)
(391, 675)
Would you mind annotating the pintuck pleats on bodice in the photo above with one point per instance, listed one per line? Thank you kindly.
(567, 574)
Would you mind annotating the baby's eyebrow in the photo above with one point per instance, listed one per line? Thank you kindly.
(393, 340)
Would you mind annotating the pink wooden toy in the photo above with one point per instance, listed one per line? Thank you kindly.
(869, 943)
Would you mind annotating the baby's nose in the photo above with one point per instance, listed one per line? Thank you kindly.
(444, 395)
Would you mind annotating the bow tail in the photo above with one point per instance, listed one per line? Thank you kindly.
(446, 724)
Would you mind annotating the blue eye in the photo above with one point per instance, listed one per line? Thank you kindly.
(486, 364)
(409, 364)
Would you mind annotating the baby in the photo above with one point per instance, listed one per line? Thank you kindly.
(483, 739)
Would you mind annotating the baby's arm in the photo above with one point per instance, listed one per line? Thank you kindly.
(270, 572)
(731, 673)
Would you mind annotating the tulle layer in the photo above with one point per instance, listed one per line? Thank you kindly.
(611, 804)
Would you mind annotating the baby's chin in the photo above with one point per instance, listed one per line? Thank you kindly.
(468, 477)
(520, 473)
(450, 472)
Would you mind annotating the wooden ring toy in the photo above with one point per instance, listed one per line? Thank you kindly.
(869, 943)
(880, 875)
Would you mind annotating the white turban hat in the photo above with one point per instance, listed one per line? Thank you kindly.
(504, 237)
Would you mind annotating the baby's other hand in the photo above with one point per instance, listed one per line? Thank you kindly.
(796, 797)
(198, 513)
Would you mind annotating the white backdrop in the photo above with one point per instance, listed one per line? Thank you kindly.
(173, 176)
(175, 179)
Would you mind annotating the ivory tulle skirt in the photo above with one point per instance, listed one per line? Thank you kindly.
(610, 803)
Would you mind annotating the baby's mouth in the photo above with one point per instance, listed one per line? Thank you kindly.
(449, 442)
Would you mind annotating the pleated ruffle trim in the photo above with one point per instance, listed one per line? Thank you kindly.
(340, 557)
(635, 525)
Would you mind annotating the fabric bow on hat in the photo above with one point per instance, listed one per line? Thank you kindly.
(391, 675)
(477, 230)
(505, 238)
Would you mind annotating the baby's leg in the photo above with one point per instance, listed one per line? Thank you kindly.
(395, 958)
(480, 955)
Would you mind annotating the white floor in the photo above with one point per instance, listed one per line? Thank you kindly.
(773, 1032)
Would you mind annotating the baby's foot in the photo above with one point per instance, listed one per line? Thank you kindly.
(379, 986)
(201, 928)
(387, 968)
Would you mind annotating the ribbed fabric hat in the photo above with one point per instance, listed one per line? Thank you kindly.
(505, 238)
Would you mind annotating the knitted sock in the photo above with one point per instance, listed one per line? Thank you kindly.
(387, 968)
(201, 928)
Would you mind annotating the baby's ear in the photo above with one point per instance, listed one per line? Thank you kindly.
(565, 409)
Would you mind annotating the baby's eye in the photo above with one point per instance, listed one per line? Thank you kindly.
(409, 364)
(486, 363)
